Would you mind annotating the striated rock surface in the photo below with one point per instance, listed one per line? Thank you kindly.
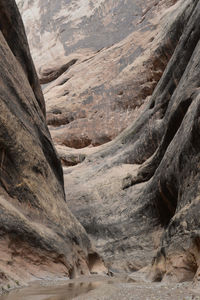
(39, 237)
(100, 60)
(138, 195)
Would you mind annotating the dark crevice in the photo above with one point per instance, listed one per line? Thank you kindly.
(166, 202)
(58, 119)
(51, 75)
(172, 127)
(51, 157)
(152, 104)
(65, 93)
(77, 143)
(72, 160)
(93, 258)
(63, 81)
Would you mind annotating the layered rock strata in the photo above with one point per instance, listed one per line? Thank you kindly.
(99, 61)
(138, 196)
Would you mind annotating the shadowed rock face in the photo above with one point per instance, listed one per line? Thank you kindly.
(39, 237)
(138, 196)
(102, 59)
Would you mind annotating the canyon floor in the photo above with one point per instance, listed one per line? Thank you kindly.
(128, 287)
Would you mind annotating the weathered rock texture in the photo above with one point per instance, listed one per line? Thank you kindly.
(102, 59)
(138, 196)
(38, 235)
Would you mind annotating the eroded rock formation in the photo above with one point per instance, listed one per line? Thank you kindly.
(102, 59)
(138, 195)
(39, 237)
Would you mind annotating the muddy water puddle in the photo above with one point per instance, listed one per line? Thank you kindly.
(66, 291)
(100, 287)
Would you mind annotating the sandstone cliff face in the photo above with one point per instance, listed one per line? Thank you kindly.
(138, 195)
(102, 59)
(39, 237)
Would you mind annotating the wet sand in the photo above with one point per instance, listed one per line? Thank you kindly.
(104, 288)
(65, 290)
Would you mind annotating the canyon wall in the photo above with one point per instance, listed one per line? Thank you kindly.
(138, 195)
(110, 65)
(98, 61)
(39, 237)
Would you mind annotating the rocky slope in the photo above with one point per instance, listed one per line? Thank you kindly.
(138, 195)
(39, 236)
(102, 59)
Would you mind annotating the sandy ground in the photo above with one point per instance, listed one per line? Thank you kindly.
(122, 287)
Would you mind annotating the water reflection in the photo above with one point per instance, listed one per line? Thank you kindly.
(61, 292)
